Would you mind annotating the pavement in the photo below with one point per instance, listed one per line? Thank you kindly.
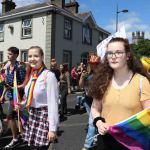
(71, 133)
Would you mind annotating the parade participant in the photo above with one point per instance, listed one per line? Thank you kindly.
(2, 81)
(74, 76)
(14, 66)
(42, 100)
(120, 88)
(64, 89)
(84, 82)
(54, 69)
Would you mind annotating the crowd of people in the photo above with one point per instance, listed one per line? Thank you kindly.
(113, 91)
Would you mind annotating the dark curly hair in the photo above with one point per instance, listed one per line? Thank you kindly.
(103, 73)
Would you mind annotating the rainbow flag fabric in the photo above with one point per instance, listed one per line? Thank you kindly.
(16, 96)
(133, 133)
(23, 114)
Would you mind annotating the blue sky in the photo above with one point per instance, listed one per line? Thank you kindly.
(104, 12)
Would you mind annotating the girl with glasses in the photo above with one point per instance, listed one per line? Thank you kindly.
(116, 91)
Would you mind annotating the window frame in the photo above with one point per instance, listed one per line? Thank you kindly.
(85, 29)
(67, 29)
(1, 56)
(2, 32)
(100, 37)
(23, 56)
(26, 27)
(69, 63)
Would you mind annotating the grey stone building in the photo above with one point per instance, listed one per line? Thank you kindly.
(137, 36)
(56, 26)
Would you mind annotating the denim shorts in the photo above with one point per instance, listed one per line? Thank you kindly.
(10, 113)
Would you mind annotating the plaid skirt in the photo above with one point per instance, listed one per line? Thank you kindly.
(37, 127)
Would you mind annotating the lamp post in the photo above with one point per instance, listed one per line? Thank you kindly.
(117, 12)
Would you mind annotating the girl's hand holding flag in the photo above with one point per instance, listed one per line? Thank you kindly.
(102, 127)
(19, 106)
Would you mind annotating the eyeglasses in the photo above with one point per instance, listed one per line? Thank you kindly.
(117, 54)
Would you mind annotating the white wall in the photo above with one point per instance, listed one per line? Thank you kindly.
(38, 34)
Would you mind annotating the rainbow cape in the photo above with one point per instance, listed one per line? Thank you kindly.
(133, 133)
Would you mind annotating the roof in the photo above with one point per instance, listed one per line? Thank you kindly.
(86, 15)
(83, 15)
(25, 8)
(39, 7)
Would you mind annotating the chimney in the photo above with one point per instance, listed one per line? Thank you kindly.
(59, 3)
(7, 5)
(73, 6)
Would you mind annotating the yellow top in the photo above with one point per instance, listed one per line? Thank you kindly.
(119, 104)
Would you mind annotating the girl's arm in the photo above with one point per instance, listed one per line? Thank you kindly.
(97, 120)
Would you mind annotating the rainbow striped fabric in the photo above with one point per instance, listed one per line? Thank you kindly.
(23, 114)
(16, 96)
(32, 85)
(133, 133)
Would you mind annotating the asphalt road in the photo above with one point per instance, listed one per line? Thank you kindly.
(71, 134)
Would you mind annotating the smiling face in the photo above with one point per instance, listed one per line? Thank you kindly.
(35, 58)
(116, 55)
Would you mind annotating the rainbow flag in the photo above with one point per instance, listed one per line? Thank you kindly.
(23, 114)
(133, 133)
(16, 96)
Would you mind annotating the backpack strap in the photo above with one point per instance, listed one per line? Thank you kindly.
(141, 84)
(45, 75)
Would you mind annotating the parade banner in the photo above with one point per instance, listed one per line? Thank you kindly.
(133, 133)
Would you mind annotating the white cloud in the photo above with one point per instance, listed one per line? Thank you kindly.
(20, 3)
(28, 2)
(132, 23)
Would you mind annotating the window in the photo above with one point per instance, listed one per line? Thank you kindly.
(105, 36)
(87, 35)
(1, 32)
(24, 56)
(68, 29)
(100, 37)
(27, 28)
(84, 58)
(67, 58)
(1, 56)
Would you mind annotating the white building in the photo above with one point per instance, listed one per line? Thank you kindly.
(58, 28)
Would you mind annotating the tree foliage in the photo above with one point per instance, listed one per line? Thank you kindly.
(142, 48)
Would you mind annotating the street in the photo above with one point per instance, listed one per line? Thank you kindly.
(72, 130)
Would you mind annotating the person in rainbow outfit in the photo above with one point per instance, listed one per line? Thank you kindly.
(41, 93)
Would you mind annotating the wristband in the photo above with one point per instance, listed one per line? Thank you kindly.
(96, 119)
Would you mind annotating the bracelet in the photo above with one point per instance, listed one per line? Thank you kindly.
(96, 119)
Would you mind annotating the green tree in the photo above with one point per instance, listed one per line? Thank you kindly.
(142, 48)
